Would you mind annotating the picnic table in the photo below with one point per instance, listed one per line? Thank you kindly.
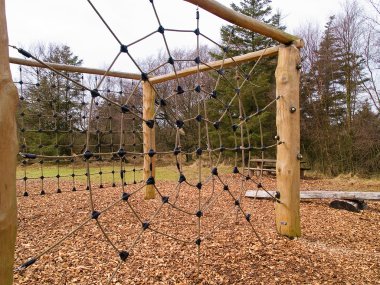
(268, 166)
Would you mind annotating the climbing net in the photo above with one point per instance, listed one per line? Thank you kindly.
(54, 127)
(97, 122)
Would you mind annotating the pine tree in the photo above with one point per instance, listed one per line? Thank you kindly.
(51, 104)
(329, 91)
(259, 91)
(328, 76)
(322, 102)
(243, 40)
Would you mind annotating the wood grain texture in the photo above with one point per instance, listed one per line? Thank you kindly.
(228, 62)
(149, 139)
(326, 194)
(8, 154)
(244, 21)
(73, 68)
(288, 129)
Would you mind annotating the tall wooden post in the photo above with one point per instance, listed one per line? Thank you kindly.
(288, 130)
(149, 140)
(8, 153)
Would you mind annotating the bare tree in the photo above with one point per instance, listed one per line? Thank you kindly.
(371, 54)
(177, 101)
(311, 34)
(349, 29)
(376, 8)
(371, 57)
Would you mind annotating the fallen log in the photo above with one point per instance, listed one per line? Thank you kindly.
(319, 195)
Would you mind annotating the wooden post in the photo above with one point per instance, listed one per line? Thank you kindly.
(288, 130)
(149, 140)
(8, 154)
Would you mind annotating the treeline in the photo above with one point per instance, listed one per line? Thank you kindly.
(340, 92)
(340, 100)
(58, 108)
(54, 111)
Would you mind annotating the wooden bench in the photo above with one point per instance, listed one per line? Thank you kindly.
(303, 167)
(268, 166)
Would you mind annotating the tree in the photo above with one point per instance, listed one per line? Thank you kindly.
(175, 106)
(371, 54)
(322, 100)
(260, 88)
(108, 121)
(348, 30)
(244, 41)
(371, 61)
(366, 130)
(332, 93)
(51, 105)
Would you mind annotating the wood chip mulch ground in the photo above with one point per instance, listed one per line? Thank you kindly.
(336, 247)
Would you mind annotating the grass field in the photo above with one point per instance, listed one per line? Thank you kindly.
(163, 173)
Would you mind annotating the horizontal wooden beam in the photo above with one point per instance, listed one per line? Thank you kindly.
(319, 195)
(73, 68)
(229, 62)
(245, 21)
(217, 64)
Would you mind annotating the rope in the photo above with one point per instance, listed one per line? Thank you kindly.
(86, 133)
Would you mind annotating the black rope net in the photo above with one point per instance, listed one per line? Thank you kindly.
(94, 128)
(54, 126)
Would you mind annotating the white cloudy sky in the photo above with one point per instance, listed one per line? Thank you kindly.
(74, 23)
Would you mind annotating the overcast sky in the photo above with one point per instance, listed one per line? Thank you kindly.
(74, 23)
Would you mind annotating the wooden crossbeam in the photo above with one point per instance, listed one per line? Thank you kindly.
(247, 22)
(73, 68)
(320, 195)
(229, 62)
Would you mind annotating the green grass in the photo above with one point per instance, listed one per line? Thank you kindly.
(65, 171)
(163, 173)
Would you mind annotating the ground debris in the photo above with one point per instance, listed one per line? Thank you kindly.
(336, 247)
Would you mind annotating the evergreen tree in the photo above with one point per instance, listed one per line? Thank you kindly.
(259, 91)
(329, 93)
(348, 28)
(366, 134)
(243, 40)
(322, 102)
(51, 105)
